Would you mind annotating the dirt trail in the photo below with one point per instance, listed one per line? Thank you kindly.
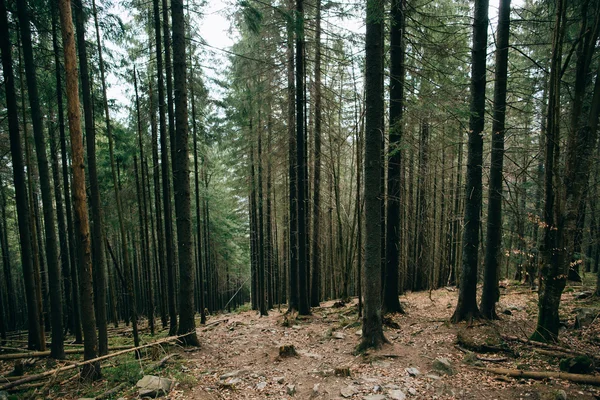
(239, 355)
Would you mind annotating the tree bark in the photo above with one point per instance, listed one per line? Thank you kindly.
(493, 246)
(90, 371)
(466, 308)
(372, 331)
(181, 181)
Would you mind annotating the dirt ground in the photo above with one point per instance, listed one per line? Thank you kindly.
(244, 347)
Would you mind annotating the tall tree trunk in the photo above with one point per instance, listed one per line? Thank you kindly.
(391, 303)
(170, 243)
(57, 348)
(293, 166)
(144, 215)
(315, 290)
(33, 312)
(493, 246)
(553, 277)
(262, 304)
(92, 370)
(372, 331)
(100, 262)
(466, 308)
(197, 193)
(6, 262)
(181, 181)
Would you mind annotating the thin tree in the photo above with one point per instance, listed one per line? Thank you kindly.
(303, 305)
(372, 331)
(90, 341)
(467, 309)
(181, 181)
(493, 246)
(54, 279)
(34, 341)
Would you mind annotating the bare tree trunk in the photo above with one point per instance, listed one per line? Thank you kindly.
(90, 371)
(372, 331)
(466, 308)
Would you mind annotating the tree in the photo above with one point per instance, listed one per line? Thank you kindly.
(303, 304)
(92, 370)
(34, 341)
(391, 303)
(372, 331)
(181, 181)
(466, 309)
(57, 348)
(493, 254)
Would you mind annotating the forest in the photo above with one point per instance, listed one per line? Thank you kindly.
(370, 200)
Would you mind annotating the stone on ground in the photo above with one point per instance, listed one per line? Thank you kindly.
(154, 386)
(287, 350)
(412, 371)
(443, 365)
(348, 391)
(397, 395)
(291, 389)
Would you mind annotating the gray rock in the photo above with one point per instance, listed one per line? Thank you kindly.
(291, 390)
(412, 371)
(374, 397)
(358, 332)
(397, 395)
(348, 391)
(585, 317)
(316, 388)
(231, 374)
(412, 391)
(433, 376)
(443, 365)
(279, 379)
(338, 335)
(261, 385)
(230, 383)
(582, 295)
(154, 386)
(560, 395)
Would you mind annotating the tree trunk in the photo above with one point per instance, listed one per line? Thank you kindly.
(181, 181)
(372, 331)
(90, 371)
(466, 308)
(391, 303)
(493, 246)
(33, 311)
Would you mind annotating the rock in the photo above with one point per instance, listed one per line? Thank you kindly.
(376, 389)
(324, 372)
(279, 379)
(342, 371)
(287, 350)
(585, 317)
(443, 365)
(374, 397)
(154, 386)
(576, 365)
(316, 388)
(560, 395)
(230, 383)
(506, 311)
(261, 385)
(348, 391)
(433, 376)
(358, 332)
(412, 391)
(338, 335)
(232, 374)
(397, 395)
(583, 295)
(290, 389)
(412, 371)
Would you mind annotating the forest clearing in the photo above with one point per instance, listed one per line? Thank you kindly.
(239, 357)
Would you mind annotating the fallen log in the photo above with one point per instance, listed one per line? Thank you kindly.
(480, 358)
(109, 393)
(540, 375)
(550, 347)
(33, 378)
(38, 354)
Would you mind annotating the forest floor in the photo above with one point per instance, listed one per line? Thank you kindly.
(239, 355)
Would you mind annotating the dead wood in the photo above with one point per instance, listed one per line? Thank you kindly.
(33, 378)
(38, 354)
(516, 373)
